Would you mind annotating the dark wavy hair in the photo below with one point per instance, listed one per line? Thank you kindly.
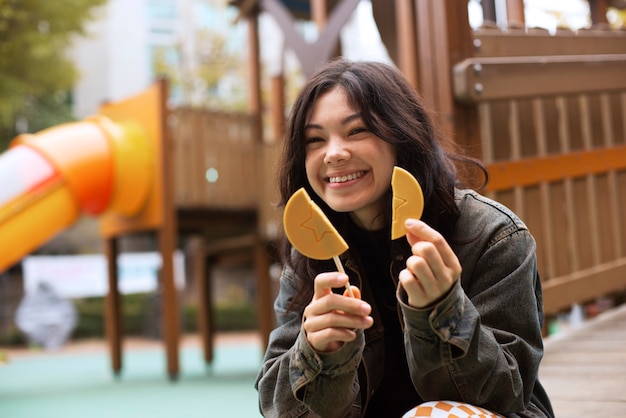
(392, 110)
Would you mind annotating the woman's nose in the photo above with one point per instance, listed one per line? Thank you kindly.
(336, 151)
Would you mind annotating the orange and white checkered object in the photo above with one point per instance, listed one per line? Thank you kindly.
(449, 409)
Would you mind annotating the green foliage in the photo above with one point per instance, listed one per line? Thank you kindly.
(616, 18)
(141, 316)
(196, 78)
(35, 73)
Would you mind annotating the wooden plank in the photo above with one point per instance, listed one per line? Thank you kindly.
(494, 43)
(531, 171)
(620, 196)
(546, 245)
(492, 78)
(501, 144)
(623, 116)
(569, 230)
(590, 192)
(584, 251)
(614, 219)
(559, 227)
(584, 285)
(606, 223)
(583, 368)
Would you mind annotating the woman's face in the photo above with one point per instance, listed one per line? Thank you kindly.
(347, 166)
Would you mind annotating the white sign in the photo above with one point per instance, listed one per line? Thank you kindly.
(79, 276)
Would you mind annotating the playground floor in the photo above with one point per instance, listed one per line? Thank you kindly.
(583, 371)
(76, 381)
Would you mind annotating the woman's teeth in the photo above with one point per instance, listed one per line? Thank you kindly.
(343, 179)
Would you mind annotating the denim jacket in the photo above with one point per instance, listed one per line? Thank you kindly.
(481, 344)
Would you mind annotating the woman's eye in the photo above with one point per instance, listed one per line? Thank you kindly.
(358, 130)
(312, 140)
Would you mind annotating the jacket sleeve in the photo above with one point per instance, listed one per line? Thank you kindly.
(295, 380)
(484, 348)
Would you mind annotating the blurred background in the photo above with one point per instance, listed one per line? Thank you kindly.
(61, 61)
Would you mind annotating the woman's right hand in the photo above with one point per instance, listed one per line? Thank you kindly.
(330, 320)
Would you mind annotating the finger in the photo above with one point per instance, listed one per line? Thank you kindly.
(420, 231)
(421, 269)
(325, 282)
(426, 261)
(336, 319)
(355, 292)
(330, 339)
(413, 288)
(335, 302)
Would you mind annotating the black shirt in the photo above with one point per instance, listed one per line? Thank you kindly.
(396, 394)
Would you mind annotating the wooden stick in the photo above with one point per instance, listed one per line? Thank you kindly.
(341, 270)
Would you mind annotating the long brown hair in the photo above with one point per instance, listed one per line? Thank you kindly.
(392, 110)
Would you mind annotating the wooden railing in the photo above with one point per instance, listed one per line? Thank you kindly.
(552, 120)
(216, 159)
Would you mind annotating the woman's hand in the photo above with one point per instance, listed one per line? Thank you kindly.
(331, 319)
(433, 268)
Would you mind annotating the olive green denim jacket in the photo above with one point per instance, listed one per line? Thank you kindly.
(481, 344)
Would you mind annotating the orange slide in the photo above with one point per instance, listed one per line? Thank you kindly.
(106, 165)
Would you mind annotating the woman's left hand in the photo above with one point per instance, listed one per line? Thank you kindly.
(433, 268)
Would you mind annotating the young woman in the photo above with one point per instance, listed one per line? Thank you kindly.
(451, 312)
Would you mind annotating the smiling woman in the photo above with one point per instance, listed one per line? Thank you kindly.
(432, 321)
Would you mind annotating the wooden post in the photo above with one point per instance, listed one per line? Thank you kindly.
(277, 97)
(440, 47)
(463, 119)
(489, 11)
(167, 238)
(384, 13)
(598, 10)
(255, 105)
(320, 9)
(113, 314)
(265, 311)
(203, 288)
(515, 14)
(319, 13)
(261, 258)
(407, 42)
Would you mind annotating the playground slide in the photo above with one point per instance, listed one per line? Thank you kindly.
(107, 166)
(52, 178)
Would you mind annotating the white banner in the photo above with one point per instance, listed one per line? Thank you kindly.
(79, 276)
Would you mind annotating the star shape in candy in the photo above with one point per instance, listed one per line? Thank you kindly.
(317, 225)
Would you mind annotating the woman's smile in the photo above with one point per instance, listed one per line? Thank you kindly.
(345, 178)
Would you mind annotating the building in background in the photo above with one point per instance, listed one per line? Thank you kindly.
(117, 57)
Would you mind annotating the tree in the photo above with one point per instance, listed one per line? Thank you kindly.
(35, 73)
(204, 70)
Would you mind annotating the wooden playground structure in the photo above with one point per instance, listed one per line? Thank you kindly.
(545, 111)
